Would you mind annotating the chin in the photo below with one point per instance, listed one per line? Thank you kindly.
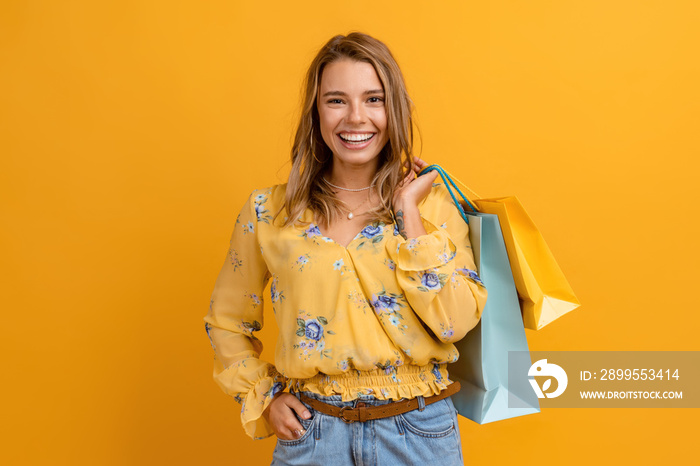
(355, 159)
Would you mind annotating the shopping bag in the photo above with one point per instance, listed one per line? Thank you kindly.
(483, 369)
(545, 294)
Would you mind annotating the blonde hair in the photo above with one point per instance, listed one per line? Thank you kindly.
(311, 156)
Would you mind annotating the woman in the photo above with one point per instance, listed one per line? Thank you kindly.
(372, 281)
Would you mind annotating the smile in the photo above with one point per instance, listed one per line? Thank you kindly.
(355, 138)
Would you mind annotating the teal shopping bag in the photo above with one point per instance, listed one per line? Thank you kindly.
(483, 370)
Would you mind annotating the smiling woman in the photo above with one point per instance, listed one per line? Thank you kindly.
(352, 114)
(373, 280)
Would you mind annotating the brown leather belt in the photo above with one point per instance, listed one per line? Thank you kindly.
(362, 413)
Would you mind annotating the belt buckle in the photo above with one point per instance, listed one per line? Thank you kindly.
(342, 415)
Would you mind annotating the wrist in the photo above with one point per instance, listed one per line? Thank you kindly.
(404, 201)
(409, 221)
(266, 411)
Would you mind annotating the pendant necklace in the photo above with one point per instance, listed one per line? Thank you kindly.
(350, 214)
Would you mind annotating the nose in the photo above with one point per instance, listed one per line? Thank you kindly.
(356, 114)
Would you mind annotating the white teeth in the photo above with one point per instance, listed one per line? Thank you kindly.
(349, 137)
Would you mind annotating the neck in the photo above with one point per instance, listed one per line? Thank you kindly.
(351, 177)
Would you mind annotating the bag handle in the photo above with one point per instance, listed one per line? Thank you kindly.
(450, 185)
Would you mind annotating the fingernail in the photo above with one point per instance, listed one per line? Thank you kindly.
(306, 414)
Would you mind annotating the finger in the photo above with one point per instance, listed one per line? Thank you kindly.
(298, 407)
(287, 434)
(431, 176)
(421, 164)
(293, 432)
(427, 179)
(295, 429)
(408, 178)
(288, 427)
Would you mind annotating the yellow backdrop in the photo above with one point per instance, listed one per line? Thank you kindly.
(132, 132)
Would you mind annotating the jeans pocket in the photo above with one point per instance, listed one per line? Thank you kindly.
(435, 421)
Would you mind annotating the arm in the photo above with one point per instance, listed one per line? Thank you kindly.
(235, 313)
(435, 264)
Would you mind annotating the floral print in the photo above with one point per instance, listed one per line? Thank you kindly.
(261, 212)
(255, 299)
(446, 255)
(276, 295)
(233, 257)
(372, 231)
(366, 311)
(389, 368)
(447, 331)
(312, 330)
(248, 228)
(340, 265)
(387, 305)
(207, 327)
(275, 389)
(430, 280)
(372, 234)
(358, 300)
(311, 232)
(436, 372)
(301, 262)
(251, 327)
(388, 302)
(472, 275)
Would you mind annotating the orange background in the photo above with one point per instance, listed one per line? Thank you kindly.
(132, 132)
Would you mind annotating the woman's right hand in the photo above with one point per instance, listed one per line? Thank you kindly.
(280, 415)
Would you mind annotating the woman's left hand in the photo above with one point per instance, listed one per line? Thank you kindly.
(408, 195)
(413, 189)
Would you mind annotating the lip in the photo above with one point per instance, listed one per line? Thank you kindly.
(350, 146)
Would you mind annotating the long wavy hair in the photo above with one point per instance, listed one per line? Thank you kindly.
(311, 157)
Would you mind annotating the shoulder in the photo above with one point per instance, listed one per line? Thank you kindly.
(272, 196)
(438, 198)
(265, 203)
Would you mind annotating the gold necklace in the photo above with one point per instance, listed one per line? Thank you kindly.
(350, 214)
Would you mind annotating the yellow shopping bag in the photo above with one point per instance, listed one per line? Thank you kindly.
(544, 292)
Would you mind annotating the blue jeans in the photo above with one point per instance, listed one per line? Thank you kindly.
(419, 437)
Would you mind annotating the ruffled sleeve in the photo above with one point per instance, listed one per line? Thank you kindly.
(235, 313)
(436, 271)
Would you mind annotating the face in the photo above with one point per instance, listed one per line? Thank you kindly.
(352, 113)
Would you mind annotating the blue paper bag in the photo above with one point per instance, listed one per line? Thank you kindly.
(482, 368)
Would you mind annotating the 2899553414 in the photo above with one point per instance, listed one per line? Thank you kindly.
(634, 374)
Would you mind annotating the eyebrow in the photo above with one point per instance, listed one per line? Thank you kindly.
(341, 93)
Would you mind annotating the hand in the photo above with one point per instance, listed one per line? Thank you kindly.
(280, 415)
(413, 189)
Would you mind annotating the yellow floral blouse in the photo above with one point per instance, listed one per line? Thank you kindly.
(379, 316)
